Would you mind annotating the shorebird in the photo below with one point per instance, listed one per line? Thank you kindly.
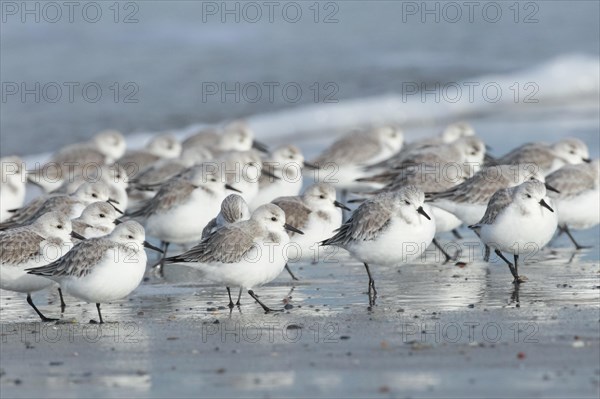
(518, 220)
(387, 230)
(36, 244)
(248, 254)
(317, 213)
(103, 269)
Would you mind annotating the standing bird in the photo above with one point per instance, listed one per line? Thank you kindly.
(517, 220)
(71, 205)
(36, 244)
(577, 202)
(286, 164)
(97, 219)
(233, 209)
(12, 185)
(429, 178)
(248, 254)
(164, 146)
(469, 200)
(103, 149)
(342, 163)
(103, 269)
(234, 136)
(182, 207)
(317, 213)
(388, 229)
(548, 158)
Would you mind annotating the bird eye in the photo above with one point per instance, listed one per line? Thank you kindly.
(572, 151)
(59, 226)
(322, 196)
(95, 195)
(130, 237)
(274, 219)
(213, 179)
(406, 202)
(101, 215)
(528, 196)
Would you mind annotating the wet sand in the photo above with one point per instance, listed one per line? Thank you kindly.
(437, 331)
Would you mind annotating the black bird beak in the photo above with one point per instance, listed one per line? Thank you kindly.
(550, 188)
(545, 205)
(77, 235)
(311, 166)
(230, 187)
(340, 205)
(586, 160)
(292, 228)
(260, 146)
(117, 222)
(112, 202)
(150, 246)
(266, 172)
(422, 212)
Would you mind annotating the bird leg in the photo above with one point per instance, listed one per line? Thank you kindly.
(518, 279)
(44, 318)
(158, 266)
(238, 303)
(510, 265)
(63, 305)
(231, 305)
(439, 246)
(565, 229)
(99, 316)
(287, 268)
(372, 290)
(456, 234)
(265, 307)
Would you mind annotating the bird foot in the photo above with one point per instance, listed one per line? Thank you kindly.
(520, 279)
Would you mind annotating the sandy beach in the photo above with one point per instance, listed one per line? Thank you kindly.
(437, 331)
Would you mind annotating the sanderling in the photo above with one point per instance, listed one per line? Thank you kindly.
(342, 163)
(242, 171)
(104, 148)
(182, 207)
(233, 209)
(71, 205)
(102, 269)
(449, 134)
(234, 136)
(547, 157)
(388, 229)
(469, 200)
(115, 176)
(287, 163)
(164, 146)
(317, 213)
(465, 154)
(518, 220)
(248, 254)
(12, 185)
(97, 219)
(429, 179)
(36, 244)
(158, 173)
(206, 137)
(577, 202)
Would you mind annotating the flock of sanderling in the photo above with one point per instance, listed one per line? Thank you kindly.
(242, 209)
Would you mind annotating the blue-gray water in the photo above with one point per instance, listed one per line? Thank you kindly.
(175, 48)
